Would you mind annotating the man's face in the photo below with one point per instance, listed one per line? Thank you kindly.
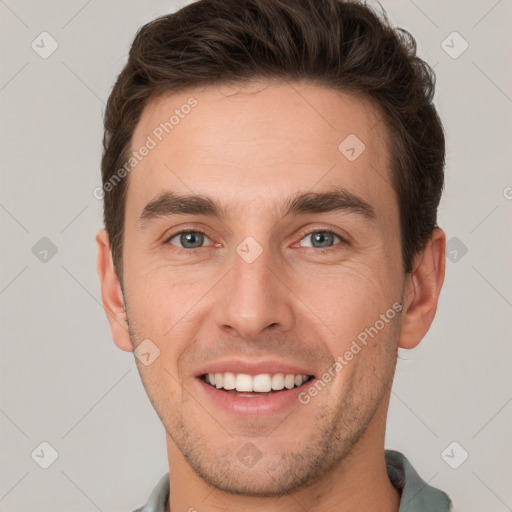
(260, 292)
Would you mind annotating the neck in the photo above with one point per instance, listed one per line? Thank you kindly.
(359, 482)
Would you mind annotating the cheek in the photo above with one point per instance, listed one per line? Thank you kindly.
(350, 304)
(350, 296)
(164, 304)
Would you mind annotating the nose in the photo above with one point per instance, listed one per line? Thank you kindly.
(254, 298)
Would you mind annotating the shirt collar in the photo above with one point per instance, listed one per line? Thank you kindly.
(417, 495)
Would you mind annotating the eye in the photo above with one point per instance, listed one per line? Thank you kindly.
(321, 239)
(188, 239)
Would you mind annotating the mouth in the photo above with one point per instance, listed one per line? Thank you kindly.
(254, 386)
(250, 389)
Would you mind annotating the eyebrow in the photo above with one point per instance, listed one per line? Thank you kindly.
(168, 204)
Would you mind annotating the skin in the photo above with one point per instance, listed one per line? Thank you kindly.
(250, 148)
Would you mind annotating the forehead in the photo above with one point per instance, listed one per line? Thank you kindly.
(259, 142)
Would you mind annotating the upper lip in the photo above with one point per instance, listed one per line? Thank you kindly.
(251, 367)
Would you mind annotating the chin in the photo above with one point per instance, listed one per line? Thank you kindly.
(267, 477)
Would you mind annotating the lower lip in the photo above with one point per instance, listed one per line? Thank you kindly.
(272, 403)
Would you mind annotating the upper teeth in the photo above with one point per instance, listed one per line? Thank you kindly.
(261, 383)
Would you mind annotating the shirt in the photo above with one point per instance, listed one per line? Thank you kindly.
(417, 495)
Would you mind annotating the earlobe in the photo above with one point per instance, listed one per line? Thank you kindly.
(111, 293)
(422, 290)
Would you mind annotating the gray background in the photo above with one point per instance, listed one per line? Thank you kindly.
(62, 379)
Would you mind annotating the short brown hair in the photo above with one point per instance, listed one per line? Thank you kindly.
(339, 44)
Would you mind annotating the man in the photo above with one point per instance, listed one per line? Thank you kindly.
(271, 175)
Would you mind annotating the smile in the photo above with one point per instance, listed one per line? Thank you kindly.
(254, 384)
(252, 396)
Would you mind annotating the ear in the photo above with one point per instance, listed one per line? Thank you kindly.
(111, 293)
(422, 289)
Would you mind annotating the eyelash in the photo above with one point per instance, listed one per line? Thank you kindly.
(302, 235)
